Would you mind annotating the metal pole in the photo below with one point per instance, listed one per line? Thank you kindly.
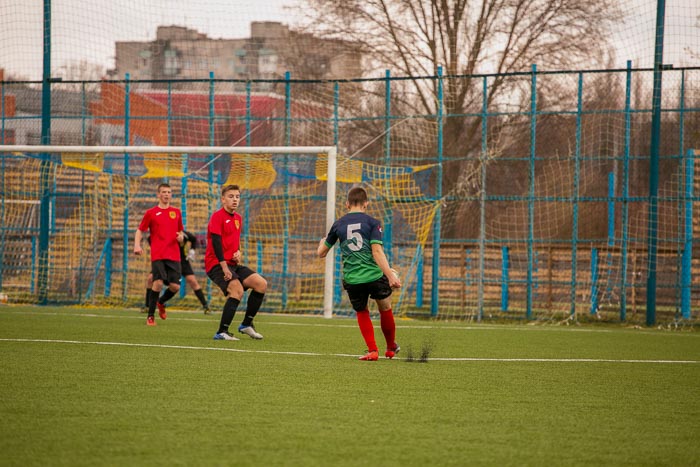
(625, 192)
(388, 217)
(653, 227)
(434, 292)
(531, 200)
(482, 197)
(574, 228)
(45, 215)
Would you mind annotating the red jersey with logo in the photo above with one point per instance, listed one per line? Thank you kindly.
(163, 224)
(228, 227)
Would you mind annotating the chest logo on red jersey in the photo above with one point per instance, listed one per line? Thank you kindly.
(172, 214)
(238, 224)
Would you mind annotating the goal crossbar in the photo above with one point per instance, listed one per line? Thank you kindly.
(171, 149)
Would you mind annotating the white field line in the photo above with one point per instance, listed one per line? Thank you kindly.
(344, 322)
(315, 354)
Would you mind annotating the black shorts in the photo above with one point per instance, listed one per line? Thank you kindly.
(359, 294)
(240, 273)
(186, 268)
(167, 271)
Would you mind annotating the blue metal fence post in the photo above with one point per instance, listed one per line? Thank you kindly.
(125, 227)
(337, 285)
(531, 190)
(653, 227)
(482, 198)
(45, 167)
(681, 204)
(211, 182)
(686, 261)
(624, 229)
(248, 141)
(575, 194)
(287, 142)
(611, 228)
(505, 265)
(388, 217)
(594, 281)
(420, 278)
(434, 292)
(183, 208)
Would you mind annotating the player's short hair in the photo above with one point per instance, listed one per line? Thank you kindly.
(228, 188)
(357, 196)
(162, 185)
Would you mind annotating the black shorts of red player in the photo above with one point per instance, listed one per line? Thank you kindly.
(186, 268)
(359, 294)
(241, 273)
(167, 271)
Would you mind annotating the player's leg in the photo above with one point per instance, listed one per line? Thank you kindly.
(386, 320)
(159, 274)
(149, 285)
(381, 293)
(233, 294)
(173, 274)
(191, 280)
(258, 285)
(359, 298)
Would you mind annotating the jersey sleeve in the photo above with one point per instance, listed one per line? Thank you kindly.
(145, 222)
(332, 236)
(180, 226)
(215, 226)
(376, 232)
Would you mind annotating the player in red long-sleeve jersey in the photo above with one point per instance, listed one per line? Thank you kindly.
(222, 261)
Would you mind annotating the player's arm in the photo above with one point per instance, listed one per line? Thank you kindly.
(323, 248)
(137, 242)
(327, 242)
(217, 244)
(383, 263)
(181, 236)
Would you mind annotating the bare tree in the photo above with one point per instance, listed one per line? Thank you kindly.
(466, 38)
(81, 70)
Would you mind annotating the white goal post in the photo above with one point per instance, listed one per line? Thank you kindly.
(330, 151)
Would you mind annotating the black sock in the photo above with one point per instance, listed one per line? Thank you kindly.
(167, 295)
(229, 312)
(254, 301)
(201, 297)
(152, 302)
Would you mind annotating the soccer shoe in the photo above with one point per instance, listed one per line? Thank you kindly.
(161, 310)
(151, 321)
(372, 356)
(224, 336)
(392, 353)
(250, 330)
(144, 309)
(206, 310)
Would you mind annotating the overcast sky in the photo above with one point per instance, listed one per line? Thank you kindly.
(87, 29)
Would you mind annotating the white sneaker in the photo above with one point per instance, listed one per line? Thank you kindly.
(224, 336)
(250, 330)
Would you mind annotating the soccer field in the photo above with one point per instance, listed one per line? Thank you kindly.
(97, 387)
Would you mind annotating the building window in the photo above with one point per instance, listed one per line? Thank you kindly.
(170, 68)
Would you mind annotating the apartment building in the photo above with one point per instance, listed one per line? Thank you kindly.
(271, 50)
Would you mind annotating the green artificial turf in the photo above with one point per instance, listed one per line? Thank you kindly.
(98, 387)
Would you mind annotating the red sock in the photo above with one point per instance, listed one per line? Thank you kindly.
(367, 330)
(388, 328)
